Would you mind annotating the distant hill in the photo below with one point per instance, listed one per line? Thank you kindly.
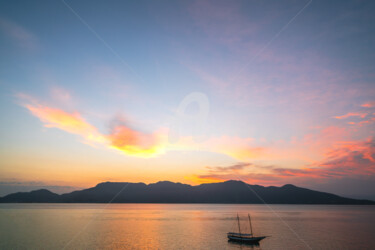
(41, 196)
(228, 192)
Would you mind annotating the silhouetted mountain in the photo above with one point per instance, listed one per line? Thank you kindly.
(40, 196)
(236, 192)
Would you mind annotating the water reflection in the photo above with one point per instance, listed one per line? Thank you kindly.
(240, 245)
(183, 226)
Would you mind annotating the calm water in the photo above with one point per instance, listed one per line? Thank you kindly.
(172, 226)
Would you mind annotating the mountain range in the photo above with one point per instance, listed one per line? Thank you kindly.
(228, 192)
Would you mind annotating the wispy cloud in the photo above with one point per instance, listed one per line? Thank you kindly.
(60, 94)
(366, 118)
(122, 137)
(235, 167)
(358, 114)
(70, 122)
(346, 160)
(368, 104)
(363, 123)
(24, 38)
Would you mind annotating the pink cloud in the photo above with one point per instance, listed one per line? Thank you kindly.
(362, 123)
(368, 104)
(351, 159)
(358, 114)
(60, 94)
(19, 34)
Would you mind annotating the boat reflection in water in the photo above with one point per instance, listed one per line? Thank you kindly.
(242, 237)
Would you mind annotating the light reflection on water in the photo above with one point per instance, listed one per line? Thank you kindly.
(183, 226)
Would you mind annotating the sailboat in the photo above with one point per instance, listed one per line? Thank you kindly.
(244, 238)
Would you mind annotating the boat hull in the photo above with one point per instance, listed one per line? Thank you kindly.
(248, 240)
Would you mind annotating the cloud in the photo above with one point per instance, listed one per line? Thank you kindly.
(136, 143)
(352, 159)
(362, 123)
(205, 178)
(252, 178)
(219, 174)
(358, 114)
(60, 94)
(248, 172)
(368, 104)
(130, 141)
(133, 142)
(24, 38)
(122, 137)
(367, 117)
(69, 122)
(235, 167)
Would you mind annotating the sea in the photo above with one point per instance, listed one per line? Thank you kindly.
(184, 226)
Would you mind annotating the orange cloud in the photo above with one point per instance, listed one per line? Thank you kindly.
(247, 172)
(368, 104)
(70, 122)
(359, 114)
(260, 179)
(362, 123)
(125, 139)
(134, 142)
(203, 179)
(352, 159)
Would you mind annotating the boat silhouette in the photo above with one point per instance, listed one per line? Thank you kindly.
(243, 237)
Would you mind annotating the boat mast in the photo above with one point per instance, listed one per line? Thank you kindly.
(238, 220)
(251, 228)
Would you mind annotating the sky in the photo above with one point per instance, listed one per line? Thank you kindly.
(267, 92)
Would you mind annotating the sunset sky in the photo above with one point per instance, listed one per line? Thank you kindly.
(267, 92)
